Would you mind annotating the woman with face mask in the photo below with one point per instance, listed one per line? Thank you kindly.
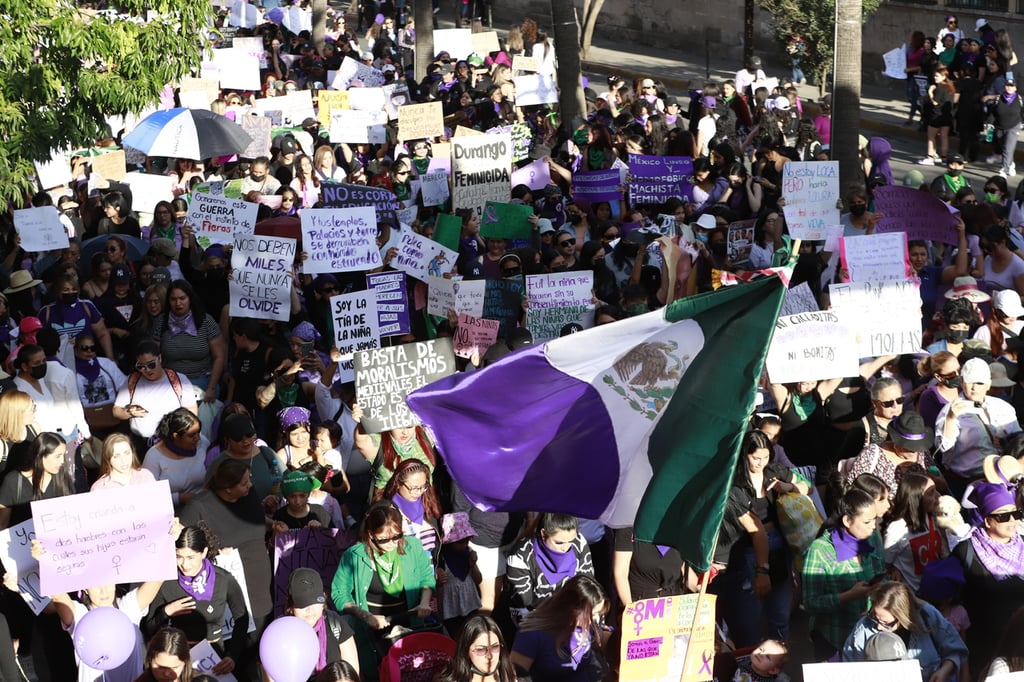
(944, 370)
(959, 315)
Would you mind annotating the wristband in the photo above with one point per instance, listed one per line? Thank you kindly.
(761, 571)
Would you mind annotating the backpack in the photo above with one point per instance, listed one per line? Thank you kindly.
(171, 375)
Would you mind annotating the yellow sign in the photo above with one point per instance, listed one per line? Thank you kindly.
(661, 640)
(328, 100)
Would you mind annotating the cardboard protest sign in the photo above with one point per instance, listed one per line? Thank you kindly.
(462, 296)
(16, 556)
(148, 190)
(888, 315)
(434, 188)
(261, 279)
(258, 128)
(457, 42)
(392, 302)
(921, 215)
(110, 165)
(204, 658)
(556, 300)
(339, 195)
(602, 185)
(661, 639)
(535, 175)
(328, 101)
(480, 170)
(40, 229)
(385, 376)
(339, 239)
(422, 257)
(317, 548)
(891, 671)
(812, 346)
(355, 322)
(740, 241)
(503, 301)
(811, 190)
(417, 121)
(656, 179)
(119, 535)
(353, 72)
(485, 42)
(207, 86)
(872, 257)
(448, 230)
(358, 127)
(474, 335)
(219, 218)
(54, 172)
(534, 89)
(895, 61)
(523, 63)
(507, 221)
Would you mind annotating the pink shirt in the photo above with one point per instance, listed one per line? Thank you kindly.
(139, 477)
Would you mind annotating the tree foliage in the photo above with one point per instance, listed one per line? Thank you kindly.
(815, 22)
(63, 69)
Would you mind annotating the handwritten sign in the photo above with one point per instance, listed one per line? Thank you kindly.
(219, 218)
(811, 346)
(40, 229)
(535, 175)
(355, 321)
(534, 89)
(328, 101)
(462, 296)
(422, 258)
(317, 548)
(873, 257)
(417, 121)
(895, 61)
(656, 179)
(339, 239)
(338, 195)
(522, 138)
(503, 301)
(204, 658)
(480, 170)
(659, 633)
(251, 46)
(259, 128)
(106, 536)
(556, 300)
(506, 221)
(888, 315)
(798, 299)
(261, 280)
(890, 671)
(385, 376)
(109, 166)
(601, 185)
(356, 73)
(524, 63)
(474, 335)
(811, 190)
(16, 556)
(434, 188)
(920, 214)
(392, 304)
(231, 561)
(485, 42)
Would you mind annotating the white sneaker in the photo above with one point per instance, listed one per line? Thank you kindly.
(993, 159)
(926, 161)
(1013, 172)
(1001, 173)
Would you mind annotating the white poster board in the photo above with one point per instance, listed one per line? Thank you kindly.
(340, 239)
(355, 322)
(261, 279)
(888, 314)
(555, 300)
(535, 89)
(896, 63)
(40, 229)
(811, 191)
(890, 671)
(872, 257)
(811, 346)
(16, 556)
(421, 258)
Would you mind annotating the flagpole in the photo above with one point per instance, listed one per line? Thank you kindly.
(691, 650)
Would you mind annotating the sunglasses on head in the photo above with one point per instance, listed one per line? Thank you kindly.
(890, 403)
(145, 365)
(1003, 517)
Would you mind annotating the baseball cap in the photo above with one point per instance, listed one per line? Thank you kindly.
(306, 587)
(120, 275)
(885, 646)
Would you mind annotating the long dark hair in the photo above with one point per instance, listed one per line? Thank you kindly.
(559, 614)
(909, 502)
(383, 514)
(46, 444)
(461, 667)
(752, 442)
(173, 642)
(853, 502)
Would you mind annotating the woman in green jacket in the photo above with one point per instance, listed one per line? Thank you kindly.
(385, 579)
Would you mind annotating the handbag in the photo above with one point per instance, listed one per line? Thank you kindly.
(799, 522)
(101, 418)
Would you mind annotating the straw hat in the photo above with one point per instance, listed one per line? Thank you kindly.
(21, 280)
(967, 287)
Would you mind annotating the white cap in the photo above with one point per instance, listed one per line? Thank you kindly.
(979, 23)
(1008, 302)
(976, 371)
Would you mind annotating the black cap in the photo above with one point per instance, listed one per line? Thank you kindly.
(306, 587)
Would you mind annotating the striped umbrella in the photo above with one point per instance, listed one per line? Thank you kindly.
(187, 134)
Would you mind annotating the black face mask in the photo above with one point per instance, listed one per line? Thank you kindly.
(953, 382)
(955, 172)
(68, 299)
(575, 218)
(258, 178)
(38, 372)
(560, 268)
(858, 209)
(956, 335)
(217, 274)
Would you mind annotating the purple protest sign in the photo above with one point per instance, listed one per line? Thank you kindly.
(316, 548)
(392, 303)
(602, 185)
(920, 214)
(535, 175)
(656, 179)
(105, 536)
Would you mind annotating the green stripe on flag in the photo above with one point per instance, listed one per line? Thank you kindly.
(694, 447)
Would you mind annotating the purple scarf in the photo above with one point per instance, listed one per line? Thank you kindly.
(200, 587)
(555, 566)
(1001, 559)
(847, 546)
(579, 645)
(321, 636)
(1008, 98)
(89, 369)
(185, 324)
(411, 510)
(180, 452)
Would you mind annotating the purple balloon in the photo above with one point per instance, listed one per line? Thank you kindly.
(104, 638)
(289, 650)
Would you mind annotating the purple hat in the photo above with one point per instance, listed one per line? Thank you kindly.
(709, 102)
(290, 416)
(988, 497)
(215, 251)
(323, 279)
(306, 331)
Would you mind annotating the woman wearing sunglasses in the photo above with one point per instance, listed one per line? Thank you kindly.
(993, 564)
(385, 579)
(906, 448)
(151, 392)
(931, 640)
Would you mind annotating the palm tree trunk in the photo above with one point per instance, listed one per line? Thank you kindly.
(846, 100)
(424, 36)
(571, 101)
(319, 25)
(748, 30)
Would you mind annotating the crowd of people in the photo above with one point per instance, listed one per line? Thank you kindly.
(886, 504)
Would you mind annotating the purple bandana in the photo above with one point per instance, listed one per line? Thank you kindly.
(90, 369)
(184, 324)
(1008, 97)
(412, 510)
(200, 586)
(321, 636)
(306, 331)
(290, 416)
(579, 645)
(1001, 559)
(556, 566)
(847, 546)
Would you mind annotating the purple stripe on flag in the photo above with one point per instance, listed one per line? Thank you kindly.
(522, 435)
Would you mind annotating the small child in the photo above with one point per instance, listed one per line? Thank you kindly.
(321, 496)
(298, 513)
(457, 592)
(764, 663)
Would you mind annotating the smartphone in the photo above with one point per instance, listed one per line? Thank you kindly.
(307, 348)
(878, 578)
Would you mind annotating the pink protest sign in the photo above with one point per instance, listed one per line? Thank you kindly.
(474, 334)
(920, 214)
(105, 536)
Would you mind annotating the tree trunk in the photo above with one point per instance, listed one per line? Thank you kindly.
(424, 36)
(748, 30)
(319, 25)
(591, 10)
(571, 101)
(846, 97)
